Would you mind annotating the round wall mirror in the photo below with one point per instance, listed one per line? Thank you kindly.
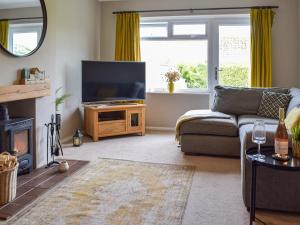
(23, 25)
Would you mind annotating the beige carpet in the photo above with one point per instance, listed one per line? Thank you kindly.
(215, 197)
(115, 192)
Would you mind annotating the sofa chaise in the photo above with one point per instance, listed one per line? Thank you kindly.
(231, 136)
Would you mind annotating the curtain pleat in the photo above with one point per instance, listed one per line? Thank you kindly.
(128, 37)
(261, 47)
(4, 33)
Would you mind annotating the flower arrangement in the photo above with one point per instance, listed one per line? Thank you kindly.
(172, 76)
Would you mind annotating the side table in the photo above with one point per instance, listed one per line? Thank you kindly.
(292, 165)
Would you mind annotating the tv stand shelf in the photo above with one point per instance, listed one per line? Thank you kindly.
(111, 120)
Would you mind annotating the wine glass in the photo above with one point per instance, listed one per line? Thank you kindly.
(259, 137)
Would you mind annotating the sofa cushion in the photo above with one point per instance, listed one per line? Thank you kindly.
(271, 102)
(292, 119)
(211, 126)
(250, 119)
(240, 101)
(295, 101)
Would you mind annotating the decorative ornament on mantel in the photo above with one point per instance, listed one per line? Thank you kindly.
(33, 76)
(171, 77)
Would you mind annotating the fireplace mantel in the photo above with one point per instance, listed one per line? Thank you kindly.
(20, 92)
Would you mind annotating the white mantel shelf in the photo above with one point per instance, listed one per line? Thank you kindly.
(21, 92)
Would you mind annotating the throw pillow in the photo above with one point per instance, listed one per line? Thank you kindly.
(240, 101)
(292, 118)
(271, 102)
(295, 101)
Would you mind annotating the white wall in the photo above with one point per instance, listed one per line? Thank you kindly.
(76, 40)
(163, 110)
(45, 59)
(21, 13)
(70, 38)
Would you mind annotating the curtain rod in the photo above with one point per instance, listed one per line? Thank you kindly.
(197, 9)
(28, 18)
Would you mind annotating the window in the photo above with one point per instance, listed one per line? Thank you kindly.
(189, 29)
(154, 30)
(205, 50)
(23, 38)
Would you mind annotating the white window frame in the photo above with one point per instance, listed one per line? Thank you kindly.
(215, 42)
(169, 23)
(24, 28)
(212, 22)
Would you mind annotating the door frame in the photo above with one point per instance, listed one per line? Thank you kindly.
(213, 45)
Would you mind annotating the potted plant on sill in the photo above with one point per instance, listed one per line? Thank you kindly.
(59, 100)
(171, 77)
(296, 140)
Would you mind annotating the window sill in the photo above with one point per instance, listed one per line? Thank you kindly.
(181, 92)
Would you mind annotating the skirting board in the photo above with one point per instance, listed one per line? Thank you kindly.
(69, 139)
(161, 128)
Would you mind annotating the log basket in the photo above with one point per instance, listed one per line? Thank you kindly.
(8, 183)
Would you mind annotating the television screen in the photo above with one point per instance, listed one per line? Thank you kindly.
(112, 81)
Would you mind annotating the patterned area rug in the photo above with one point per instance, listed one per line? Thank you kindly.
(115, 192)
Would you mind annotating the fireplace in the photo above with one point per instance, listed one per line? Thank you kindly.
(16, 138)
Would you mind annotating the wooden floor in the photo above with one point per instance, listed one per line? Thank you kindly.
(33, 185)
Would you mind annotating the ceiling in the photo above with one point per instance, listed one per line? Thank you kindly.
(11, 4)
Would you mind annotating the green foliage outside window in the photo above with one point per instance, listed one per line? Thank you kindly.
(195, 76)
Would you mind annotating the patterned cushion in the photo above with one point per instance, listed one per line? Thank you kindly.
(271, 102)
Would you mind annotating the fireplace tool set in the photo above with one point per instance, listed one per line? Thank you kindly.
(53, 136)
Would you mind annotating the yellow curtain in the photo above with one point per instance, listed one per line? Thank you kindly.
(261, 47)
(4, 33)
(128, 37)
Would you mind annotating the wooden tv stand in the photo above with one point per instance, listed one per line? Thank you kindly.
(105, 120)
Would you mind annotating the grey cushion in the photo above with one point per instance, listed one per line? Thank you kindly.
(240, 101)
(271, 102)
(250, 119)
(211, 126)
(295, 101)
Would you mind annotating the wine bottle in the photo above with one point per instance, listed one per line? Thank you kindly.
(281, 136)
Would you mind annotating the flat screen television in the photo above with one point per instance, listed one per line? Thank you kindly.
(112, 81)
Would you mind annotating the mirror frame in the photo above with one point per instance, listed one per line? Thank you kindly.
(43, 35)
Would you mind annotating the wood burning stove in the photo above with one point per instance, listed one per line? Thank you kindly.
(16, 138)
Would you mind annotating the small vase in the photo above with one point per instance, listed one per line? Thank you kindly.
(63, 167)
(296, 149)
(171, 87)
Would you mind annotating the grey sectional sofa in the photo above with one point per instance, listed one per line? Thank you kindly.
(276, 190)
